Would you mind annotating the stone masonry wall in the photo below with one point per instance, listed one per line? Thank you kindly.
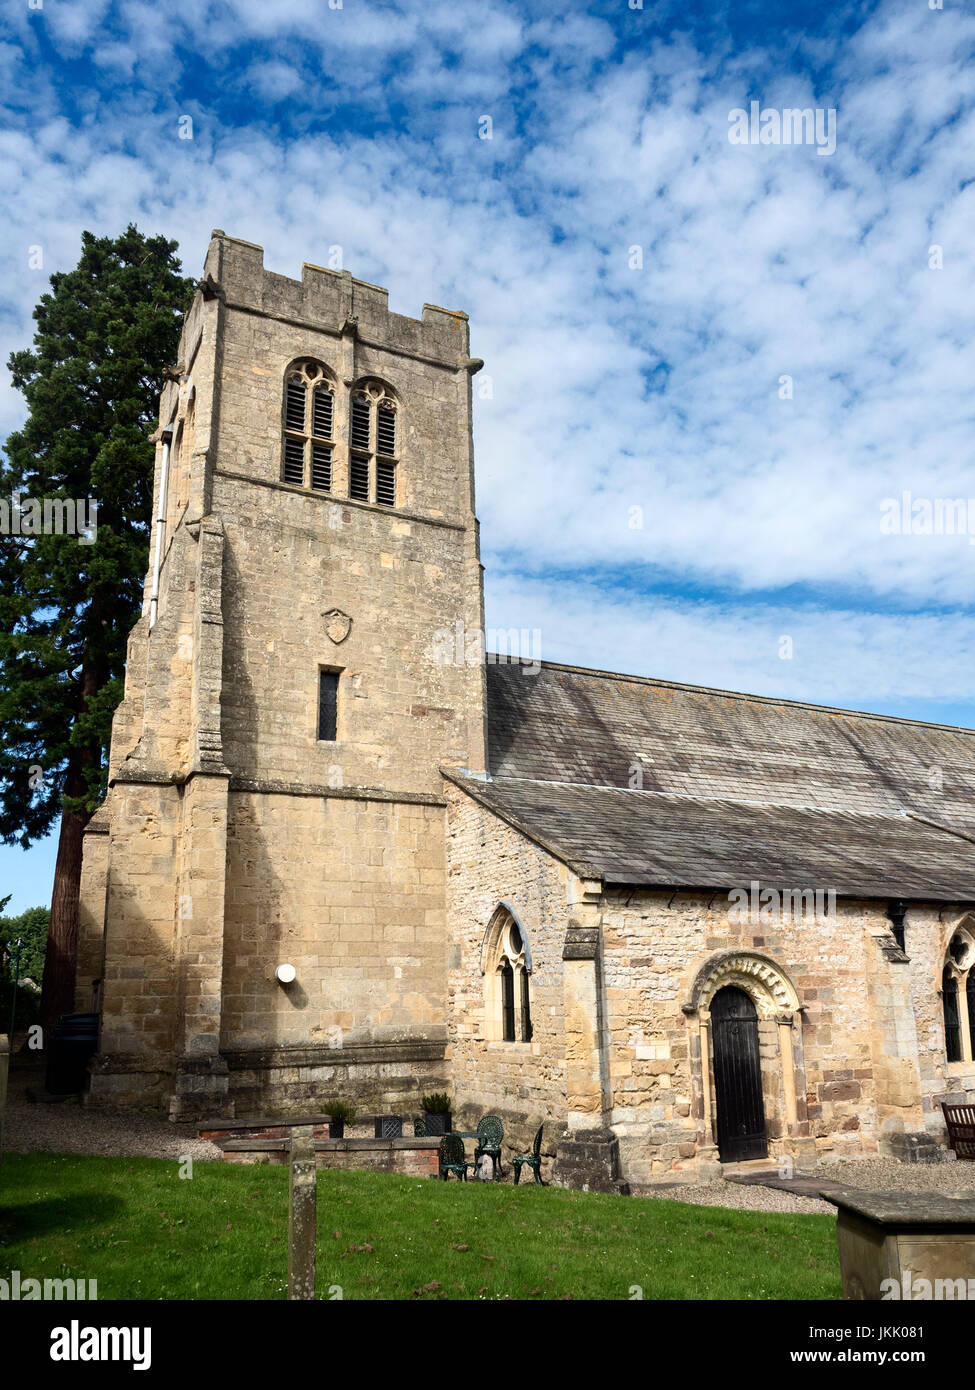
(351, 893)
(489, 862)
(653, 946)
(927, 931)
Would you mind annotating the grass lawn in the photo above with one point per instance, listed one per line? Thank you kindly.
(144, 1233)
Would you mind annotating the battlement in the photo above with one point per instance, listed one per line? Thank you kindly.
(331, 300)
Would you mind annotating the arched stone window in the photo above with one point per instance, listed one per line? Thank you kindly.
(308, 426)
(506, 967)
(374, 443)
(958, 993)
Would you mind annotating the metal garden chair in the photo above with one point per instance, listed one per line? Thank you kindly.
(451, 1158)
(490, 1133)
(532, 1159)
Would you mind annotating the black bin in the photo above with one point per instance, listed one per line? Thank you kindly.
(73, 1043)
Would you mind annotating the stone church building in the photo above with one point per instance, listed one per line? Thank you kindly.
(682, 926)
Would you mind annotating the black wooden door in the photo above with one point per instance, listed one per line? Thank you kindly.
(737, 1077)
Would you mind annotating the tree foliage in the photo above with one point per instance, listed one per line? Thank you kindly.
(31, 928)
(103, 336)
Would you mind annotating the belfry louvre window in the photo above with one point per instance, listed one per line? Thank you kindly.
(328, 706)
(294, 461)
(294, 410)
(321, 468)
(359, 479)
(385, 483)
(309, 416)
(385, 431)
(373, 445)
(360, 423)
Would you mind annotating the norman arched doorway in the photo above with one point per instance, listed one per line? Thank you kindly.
(779, 1109)
(739, 1109)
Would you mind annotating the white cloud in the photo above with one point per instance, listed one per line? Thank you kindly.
(613, 387)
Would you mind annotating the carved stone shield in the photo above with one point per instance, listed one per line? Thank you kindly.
(337, 625)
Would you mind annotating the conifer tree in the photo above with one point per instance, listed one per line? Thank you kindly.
(104, 333)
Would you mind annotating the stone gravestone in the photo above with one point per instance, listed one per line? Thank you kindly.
(905, 1245)
(302, 1215)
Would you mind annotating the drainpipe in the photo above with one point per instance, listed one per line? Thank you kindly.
(167, 439)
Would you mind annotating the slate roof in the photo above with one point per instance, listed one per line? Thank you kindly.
(734, 787)
(570, 725)
(647, 839)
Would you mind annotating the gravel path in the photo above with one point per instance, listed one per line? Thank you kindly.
(741, 1198)
(869, 1174)
(67, 1127)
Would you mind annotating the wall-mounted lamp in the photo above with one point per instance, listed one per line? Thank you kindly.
(285, 974)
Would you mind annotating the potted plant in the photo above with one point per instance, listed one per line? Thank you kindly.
(436, 1112)
(339, 1115)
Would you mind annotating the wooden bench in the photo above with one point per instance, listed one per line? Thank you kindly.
(960, 1120)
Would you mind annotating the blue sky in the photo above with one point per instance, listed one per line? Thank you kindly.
(648, 498)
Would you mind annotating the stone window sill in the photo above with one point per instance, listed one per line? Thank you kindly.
(515, 1049)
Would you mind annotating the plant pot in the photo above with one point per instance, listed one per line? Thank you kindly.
(439, 1123)
(336, 1129)
(389, 1126)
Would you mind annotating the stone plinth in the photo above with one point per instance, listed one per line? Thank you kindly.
(904, 1244)
(589, 1160)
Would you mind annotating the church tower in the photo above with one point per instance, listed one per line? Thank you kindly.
(275, 795)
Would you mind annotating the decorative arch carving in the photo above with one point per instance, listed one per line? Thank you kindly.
(310, 372)
(376, 392)
(771, 990)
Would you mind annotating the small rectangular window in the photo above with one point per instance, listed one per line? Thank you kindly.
(385, 431)
(294, 461)
(360, 424)
(328, 700)
(294, 407)
(322, 413)
(321, 468)
(385, 483)
(359, 479)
